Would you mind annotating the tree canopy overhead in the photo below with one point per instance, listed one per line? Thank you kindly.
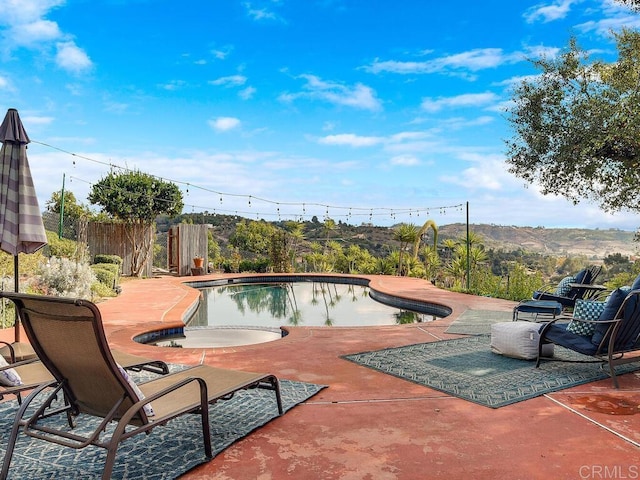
(577, 126)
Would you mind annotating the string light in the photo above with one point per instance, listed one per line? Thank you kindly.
(350, 211)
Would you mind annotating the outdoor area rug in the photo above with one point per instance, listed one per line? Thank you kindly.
(478, 322)
(466, 368)
(168, 452)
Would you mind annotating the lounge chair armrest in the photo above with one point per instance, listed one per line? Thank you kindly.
(12, 351)
(136, 407)
(19, 364)
(577, 319)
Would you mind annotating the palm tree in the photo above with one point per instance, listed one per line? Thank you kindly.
(406, 234)
(328, 226)
(295, 231)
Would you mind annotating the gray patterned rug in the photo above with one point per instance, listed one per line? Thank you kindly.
(466, 368)
(478, 322)
(166, 453)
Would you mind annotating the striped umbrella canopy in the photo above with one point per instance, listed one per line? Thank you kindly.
(21, 227)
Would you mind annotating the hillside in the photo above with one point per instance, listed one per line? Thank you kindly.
(594, 244)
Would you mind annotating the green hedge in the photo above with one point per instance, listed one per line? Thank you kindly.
(105, 274)
(103, 258)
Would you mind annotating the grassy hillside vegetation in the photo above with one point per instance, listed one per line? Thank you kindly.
(504, 261)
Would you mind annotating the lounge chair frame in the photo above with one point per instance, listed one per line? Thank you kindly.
(33, 373)
(622, 337)
(50, 324)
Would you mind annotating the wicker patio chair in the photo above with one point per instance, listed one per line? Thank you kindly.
(68, 337)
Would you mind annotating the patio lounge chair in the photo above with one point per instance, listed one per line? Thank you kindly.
(68, 337)
(572, 288)
(32, 373)
(610, 338)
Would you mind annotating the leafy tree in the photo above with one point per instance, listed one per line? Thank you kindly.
(253, 236)
(632, 4)
(577, 126)
(136, 199)
(72, 209)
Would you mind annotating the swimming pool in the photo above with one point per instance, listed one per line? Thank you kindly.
(253, 310)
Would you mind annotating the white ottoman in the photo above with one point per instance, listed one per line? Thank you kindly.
(518, 340)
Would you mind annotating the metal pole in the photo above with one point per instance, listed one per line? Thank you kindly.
(61, 223)
(468, 252)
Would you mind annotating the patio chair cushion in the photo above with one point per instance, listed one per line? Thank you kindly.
(563, 287)
(558, 334)
(611, 307)
(148, 409)
(583, 276)
(8, 377)
(585, 310)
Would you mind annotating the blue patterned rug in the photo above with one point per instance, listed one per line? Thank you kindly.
(466, 368)
(166, 453)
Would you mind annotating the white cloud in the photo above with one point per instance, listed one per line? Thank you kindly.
(72, 58)
(33, 33)
(26, 25)
(230, 81)
(33, 120)
(488, 173)
(5, 84)
(173, 85)
(358, 96)
(224, 124)
(222, 53)
(351, 140)
(25, 11)
(261, 12)
(247, 93)
(465, 100)
(405, 160)
(548, 13)
(472, 60)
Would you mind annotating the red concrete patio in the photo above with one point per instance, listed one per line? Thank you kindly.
(368, 425)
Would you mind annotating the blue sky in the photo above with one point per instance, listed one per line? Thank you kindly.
(363, 110)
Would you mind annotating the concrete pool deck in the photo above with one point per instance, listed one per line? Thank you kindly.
(368, 425)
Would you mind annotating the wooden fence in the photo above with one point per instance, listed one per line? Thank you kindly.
(111, 239)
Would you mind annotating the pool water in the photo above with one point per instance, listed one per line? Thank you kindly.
(242, 314)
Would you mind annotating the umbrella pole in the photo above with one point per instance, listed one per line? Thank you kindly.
(16, 275)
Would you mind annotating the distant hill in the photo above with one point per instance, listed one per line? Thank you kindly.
(594, 244)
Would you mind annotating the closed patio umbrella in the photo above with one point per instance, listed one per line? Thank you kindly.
(21, 227)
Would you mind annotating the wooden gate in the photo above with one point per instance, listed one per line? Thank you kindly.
(185, 242)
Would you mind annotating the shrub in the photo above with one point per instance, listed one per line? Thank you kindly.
(99, 289)
(110, 259)
(67, 278)
(105, 275)
(60, 247)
